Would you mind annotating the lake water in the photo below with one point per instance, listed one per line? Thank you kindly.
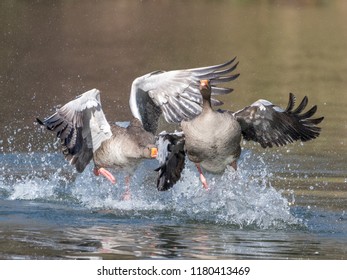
(282, 203)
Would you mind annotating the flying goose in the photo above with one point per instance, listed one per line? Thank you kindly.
(86, 135)
(212, 139)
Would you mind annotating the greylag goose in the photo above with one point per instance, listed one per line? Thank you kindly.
(86, 135)
(212, 139)
(175, 94)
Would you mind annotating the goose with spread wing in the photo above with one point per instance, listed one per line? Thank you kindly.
(86, 135)
(212, 139)
(175, 94)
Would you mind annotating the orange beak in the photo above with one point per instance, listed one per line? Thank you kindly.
(204, 83)
(154, 152)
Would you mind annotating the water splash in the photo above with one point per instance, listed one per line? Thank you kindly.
(244, 198)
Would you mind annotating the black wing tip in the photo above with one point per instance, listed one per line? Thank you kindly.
(167, 180)
(317, 120)
(223, 79)
(233, 59)
(237, 75)
(171, 167)
(308, 129)
(301, 107)
(293, 124)
(234, 77)
(168, 177)
(230, 61)
(220, 73)
(164, 183)
(39, 121)
(45, 124)
(221, 91)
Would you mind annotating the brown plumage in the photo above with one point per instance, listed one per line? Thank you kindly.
(126, 147)
(212, 139)
(86, 135)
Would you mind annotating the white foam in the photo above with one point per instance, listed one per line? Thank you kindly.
(243, 198)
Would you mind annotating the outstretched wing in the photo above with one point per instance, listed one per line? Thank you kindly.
(81, 126)
(176, 93)
(270, 125)
(171, 157)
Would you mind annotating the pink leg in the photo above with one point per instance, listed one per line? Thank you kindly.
(127, 193)
(202, 177)
(105, 173)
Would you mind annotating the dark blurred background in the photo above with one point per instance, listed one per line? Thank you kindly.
(53, 50)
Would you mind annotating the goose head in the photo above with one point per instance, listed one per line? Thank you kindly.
(205, 89)
(150, 151)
